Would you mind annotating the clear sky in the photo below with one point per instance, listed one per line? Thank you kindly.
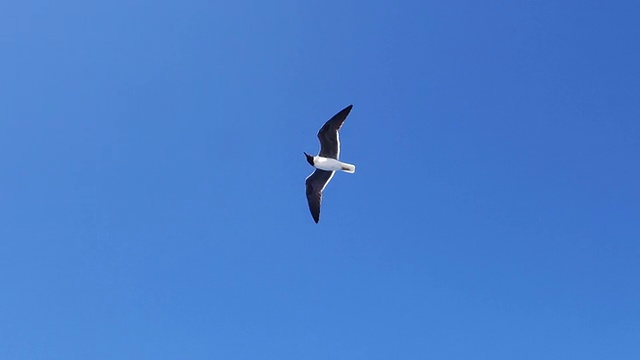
(152, 201)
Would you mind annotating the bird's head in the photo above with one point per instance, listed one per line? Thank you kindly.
(309, 158)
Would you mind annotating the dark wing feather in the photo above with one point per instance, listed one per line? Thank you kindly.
(315, 184)
(328, 134)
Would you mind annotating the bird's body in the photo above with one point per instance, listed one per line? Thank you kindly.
(329, 164)
(326, 162)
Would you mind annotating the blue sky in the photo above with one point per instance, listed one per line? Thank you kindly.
(152, 189)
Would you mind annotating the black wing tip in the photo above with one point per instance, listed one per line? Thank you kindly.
(337, 119)
(315, 216)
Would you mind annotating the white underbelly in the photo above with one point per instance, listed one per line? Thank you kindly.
(327, 164)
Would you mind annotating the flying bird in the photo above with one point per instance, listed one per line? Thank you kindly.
(326, 162)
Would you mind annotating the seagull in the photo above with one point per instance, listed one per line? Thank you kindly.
(326, 162)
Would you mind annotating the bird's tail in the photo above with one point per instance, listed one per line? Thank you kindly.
(350, 168)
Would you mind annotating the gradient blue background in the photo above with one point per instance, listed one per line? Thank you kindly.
(152, 180)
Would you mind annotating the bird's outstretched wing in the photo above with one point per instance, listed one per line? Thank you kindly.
(328, 134)
(316, 182)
